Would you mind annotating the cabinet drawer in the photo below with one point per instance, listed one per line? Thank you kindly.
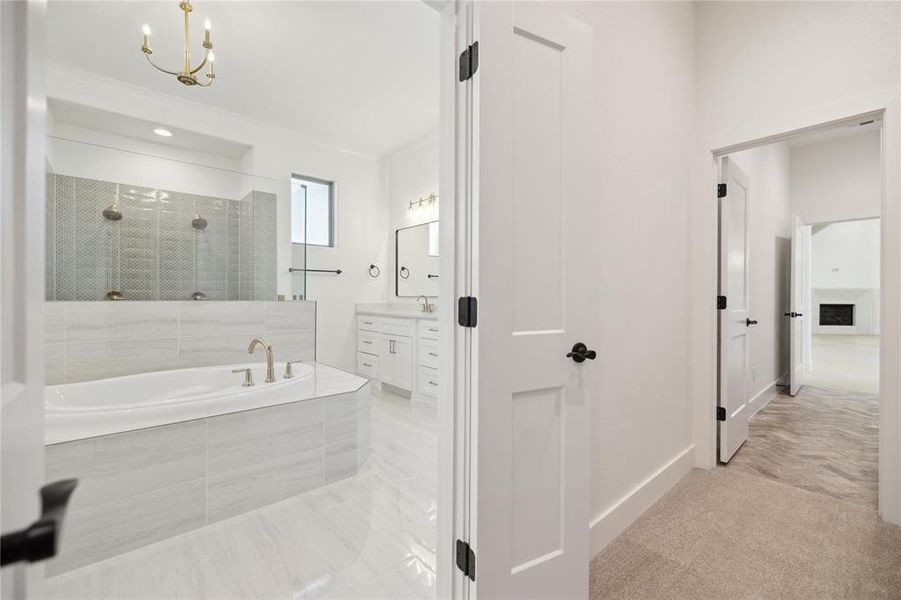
(428, 382)
(367, 341)
(393, 326)
(429, 329)
(367, 365)
(367, 322)
(428, 353)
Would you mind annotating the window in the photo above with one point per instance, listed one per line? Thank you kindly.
(312, 211)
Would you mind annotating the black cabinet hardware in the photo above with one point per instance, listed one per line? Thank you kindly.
(749, 322)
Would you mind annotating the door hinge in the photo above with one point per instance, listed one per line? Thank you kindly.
(466, 559)
(720, 413)
(721, 190)
(721, 302)
(469, 61)
(468, 311)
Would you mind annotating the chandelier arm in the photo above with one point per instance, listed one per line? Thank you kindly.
(155, 66)
(202, 64)
(208, 83)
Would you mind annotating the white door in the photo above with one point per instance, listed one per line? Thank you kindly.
(532, 243)
(22, 114)
(735, 322)
(797, 311)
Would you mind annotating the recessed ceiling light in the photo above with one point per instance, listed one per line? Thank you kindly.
(162, 132)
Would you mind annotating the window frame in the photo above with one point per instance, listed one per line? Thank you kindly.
(332, 225)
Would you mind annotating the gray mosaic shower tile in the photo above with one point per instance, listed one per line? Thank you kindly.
(96, 240)
(176, 246)
(233, 251)
(246, 235)
(49, 234)
(211, 247)
(139, 243)
(64, 237)
(264, 246)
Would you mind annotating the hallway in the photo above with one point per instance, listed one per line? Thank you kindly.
(728, 534)
(793, 515)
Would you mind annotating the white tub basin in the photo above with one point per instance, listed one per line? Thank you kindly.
(102, 407)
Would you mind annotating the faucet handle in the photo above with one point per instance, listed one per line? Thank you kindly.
(289, 371)
(248, 376)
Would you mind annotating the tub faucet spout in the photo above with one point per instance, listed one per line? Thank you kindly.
(270, 371)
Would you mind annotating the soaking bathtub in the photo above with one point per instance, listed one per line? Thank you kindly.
(101, 407)
(159, 454)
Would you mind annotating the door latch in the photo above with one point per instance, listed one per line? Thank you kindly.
(40, 540)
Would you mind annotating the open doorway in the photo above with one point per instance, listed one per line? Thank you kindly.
(800, 285)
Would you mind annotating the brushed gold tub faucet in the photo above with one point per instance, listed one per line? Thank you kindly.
(270, 371)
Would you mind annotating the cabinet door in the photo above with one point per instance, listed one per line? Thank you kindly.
(387, 360)
(403, 362)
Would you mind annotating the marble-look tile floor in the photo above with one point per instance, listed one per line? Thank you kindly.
(844, 362)
(820, 440)
(725, 534)
(369, 536)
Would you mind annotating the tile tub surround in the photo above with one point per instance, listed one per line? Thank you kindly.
(85, 341)
(153, 253)
(141, 487)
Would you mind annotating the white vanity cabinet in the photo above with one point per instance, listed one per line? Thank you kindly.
(400, 349)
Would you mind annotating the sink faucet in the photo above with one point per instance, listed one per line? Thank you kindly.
(424, 305)
(270, 372)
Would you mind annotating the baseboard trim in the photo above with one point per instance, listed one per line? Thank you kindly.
(763, 398)
(605, 527)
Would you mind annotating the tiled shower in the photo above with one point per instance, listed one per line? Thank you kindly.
(153, 252)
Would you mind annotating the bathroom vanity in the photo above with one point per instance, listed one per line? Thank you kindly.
(399, 347)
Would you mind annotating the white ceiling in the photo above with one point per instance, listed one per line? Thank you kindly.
(361, 76)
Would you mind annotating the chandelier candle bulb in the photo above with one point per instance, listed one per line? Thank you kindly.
(207, 26)
(146, 30)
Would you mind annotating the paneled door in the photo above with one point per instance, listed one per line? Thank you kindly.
(797, 310)
(533, 240)
(735, 323)
(22, 116)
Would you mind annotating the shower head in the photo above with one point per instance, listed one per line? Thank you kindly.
(198, 222)
(112, 213)
(198, 296)
(115, 295)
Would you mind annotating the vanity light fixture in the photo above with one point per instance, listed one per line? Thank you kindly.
(429, 200)
(186, 75)
(162, 132)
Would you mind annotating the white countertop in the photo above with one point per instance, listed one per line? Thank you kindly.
(396, 310)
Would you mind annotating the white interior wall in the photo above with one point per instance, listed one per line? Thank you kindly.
(410, 173)
(838, 179)
(768, 168)
(644, 98)
(768, 68)
(846, 255)
(361, 207)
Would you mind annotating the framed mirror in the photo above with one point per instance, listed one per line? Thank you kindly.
(416, 260)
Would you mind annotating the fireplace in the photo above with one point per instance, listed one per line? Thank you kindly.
(837, 315)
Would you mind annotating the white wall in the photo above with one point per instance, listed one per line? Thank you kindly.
(838, 179)
(846, 255)
(361, 206)
(644, 97)
(768, 168)
(410, 173)
(768, 68)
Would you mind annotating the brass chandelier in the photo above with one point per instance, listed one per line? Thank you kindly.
(186, 75)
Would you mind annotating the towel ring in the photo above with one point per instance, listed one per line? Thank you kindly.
(376, 269)
(404, 273)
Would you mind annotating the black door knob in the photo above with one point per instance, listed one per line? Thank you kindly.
(749, 322)
(580, 352)
(40, 540)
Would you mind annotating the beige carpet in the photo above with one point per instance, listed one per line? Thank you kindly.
(726, 534)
